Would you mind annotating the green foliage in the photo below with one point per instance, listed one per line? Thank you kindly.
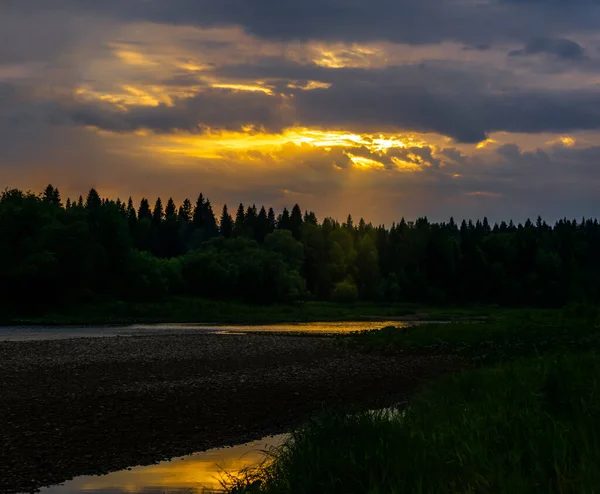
(53, 254)
(345, 292)
(281, 242)
(527, 426)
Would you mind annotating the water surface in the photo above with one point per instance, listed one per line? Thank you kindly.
(193, 474)
(24, 333)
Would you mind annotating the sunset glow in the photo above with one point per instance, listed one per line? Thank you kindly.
(336, 105)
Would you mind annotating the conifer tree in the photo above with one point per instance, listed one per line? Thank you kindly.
(198, 218)
(158, 213)
(48, 193)
(250, 221)
(185, 211)
(240, 222)
(349, 223)
(262, 228)
(210, 222)
(283, 222)
(131, 215)
(296, 222)
(226, 223)
(170, 210)
(93, 200)
(144, 209)
(272, 220)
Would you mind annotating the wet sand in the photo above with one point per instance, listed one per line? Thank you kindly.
(93, 405)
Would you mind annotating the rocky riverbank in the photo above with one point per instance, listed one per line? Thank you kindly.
(93, 405)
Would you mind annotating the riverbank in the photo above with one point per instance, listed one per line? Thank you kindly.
(524, 418)
(89, 406)
(200, 310)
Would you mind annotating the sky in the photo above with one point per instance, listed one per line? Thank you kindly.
(378, 108)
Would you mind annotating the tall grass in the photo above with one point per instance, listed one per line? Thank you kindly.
(532, 425)
(500, 338)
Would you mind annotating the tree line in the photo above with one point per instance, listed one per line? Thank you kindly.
(54, 253)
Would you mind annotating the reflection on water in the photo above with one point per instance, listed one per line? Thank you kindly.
(193, 474)
(23, 333)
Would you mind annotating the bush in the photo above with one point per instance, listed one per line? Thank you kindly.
(345, 292)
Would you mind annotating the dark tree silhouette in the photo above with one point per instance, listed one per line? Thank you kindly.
(272, 220)
(158, 213)
(93, 201)
(170, 210)
(198, 218)
(263, 227)
(103, 250)
(185, 211)
(209, 220)
(239, 229)
(131, 215)
(283, 222)
(296, 222)
(144, 210)
(226, 223)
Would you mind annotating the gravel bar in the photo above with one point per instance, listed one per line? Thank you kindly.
(93, 405)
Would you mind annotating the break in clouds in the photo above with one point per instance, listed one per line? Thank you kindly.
(379, 108)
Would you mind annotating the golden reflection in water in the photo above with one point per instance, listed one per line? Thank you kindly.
(193, 474)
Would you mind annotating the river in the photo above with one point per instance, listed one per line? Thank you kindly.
(28, 333)
(192, 474)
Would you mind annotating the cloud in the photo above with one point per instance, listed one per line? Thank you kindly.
(211, 108)
(157, 78)
(561, 48)
(428, 21)
(452, 101)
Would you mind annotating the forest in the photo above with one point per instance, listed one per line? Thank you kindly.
(58, 254)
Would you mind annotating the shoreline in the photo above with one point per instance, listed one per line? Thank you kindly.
(90, 406)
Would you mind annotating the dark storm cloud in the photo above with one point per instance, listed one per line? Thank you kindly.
(459, 100)
(214, 108)
(443, 99)
(408, 21)
(562, 48)
(449, 102)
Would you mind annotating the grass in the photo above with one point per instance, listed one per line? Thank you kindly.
(502, 337)
(524, 418)
(532, 425)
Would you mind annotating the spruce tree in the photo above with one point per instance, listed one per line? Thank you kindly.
(226, 223)
(93, 200)
(48, 194)
(349, 223)
(198, 218)
(158, 213)
(272, 220)
(250, 221)
(262, 228)
(185, 211)
(171, 210)
(144, 209)
(296, 222)
(240, 222)
(56, 198)
(283, 222)
(131, 215)
(210, 222)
